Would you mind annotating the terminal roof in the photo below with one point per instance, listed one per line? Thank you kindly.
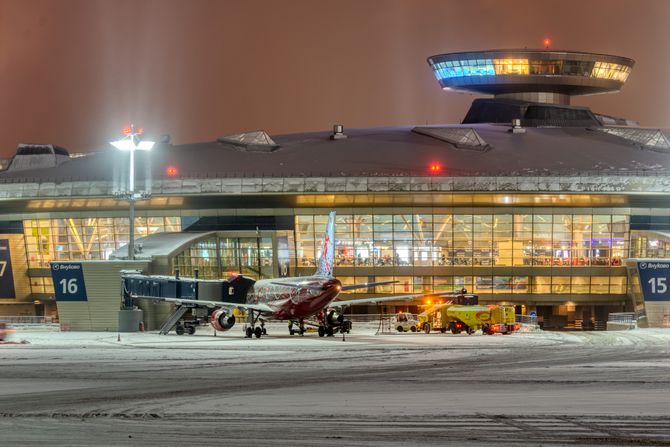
(392, 151)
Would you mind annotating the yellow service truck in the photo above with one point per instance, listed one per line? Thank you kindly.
(462, 318)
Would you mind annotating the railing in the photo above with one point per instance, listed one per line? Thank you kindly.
(397, 173)
(526, 319)
(366, 318)
(27, 319)
(621, 321)
(621, 317)
(353, 182)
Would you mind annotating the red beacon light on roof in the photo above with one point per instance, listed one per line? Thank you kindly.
(171, 171)
(435, 168)
(547, 43)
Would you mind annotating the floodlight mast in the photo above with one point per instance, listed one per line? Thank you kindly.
(131, 143)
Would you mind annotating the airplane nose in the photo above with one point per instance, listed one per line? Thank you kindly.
(333, 284)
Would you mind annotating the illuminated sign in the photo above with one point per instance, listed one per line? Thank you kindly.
(6, 276)
(655, 280)
(68, 280)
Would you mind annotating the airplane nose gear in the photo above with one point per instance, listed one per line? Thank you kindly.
(251, 329)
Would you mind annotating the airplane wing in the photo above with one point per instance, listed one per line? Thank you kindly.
(381, 299)
(347, 287)
(367, 285)
(204, 303)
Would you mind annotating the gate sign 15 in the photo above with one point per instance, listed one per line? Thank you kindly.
(68, 280)
(6, 276)
(655, 280)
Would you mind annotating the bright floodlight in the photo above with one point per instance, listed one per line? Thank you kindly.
(145, 145)
(132, 143)
(129, 144)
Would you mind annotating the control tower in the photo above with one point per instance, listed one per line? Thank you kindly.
(523, 77)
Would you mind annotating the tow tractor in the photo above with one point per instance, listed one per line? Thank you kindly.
(404, 322)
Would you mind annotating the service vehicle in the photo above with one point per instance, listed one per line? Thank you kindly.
(404, 322)
(458, 318)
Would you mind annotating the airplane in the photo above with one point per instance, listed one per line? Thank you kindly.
(294, 299)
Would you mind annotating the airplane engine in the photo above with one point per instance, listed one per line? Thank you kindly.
(334, 318)
(221, 321)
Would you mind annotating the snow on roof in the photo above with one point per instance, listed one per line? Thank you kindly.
(393, 151)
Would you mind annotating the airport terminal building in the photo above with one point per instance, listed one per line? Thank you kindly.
(530, 200)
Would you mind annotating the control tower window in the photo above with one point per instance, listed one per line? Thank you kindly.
(545, 67)
(511, 66)
(607, 70)
(577, 68)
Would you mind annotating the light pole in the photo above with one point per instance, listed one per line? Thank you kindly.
(131, 143)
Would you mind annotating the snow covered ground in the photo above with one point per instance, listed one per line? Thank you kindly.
(544, 388)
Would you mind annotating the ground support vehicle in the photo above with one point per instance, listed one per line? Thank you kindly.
(459, 318)
(404, 322)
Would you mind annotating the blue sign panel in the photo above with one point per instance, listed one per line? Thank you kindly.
(6, 275)
(68, 280)
(655, 280)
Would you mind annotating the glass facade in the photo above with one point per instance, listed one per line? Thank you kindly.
(227, 256)
(82, 238)
(492, 67)
(559, 241)
(649, 244)
(434, 240)
(514, 254)
(85, 238)
(492, 284)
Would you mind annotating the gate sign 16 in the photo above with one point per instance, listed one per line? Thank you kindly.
(68, 280)
(655, 280)
(6, 276)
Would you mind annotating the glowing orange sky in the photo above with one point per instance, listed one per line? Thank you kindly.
(74, 72)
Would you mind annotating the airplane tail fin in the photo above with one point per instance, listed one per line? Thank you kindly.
(325, 264)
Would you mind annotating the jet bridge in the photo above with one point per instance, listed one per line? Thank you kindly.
(186, 316)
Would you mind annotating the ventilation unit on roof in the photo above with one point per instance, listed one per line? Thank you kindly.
(258, 140)
(652, 139)
(516, 126)
(37, 156)
(338, 132)
(460, 137)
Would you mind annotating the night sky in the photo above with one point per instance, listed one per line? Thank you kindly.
(75, 72)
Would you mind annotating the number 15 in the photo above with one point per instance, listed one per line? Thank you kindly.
(658, 285)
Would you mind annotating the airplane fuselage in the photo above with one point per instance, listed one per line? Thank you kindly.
(289, 302)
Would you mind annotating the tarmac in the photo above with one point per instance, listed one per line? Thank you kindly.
(525, 389)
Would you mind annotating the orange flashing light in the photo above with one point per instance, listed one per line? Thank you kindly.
(127, 130)
(435, 168)
(171, 171)
(547, 43)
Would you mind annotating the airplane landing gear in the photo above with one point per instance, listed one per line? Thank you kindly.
(253, 330)
(300, 330)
